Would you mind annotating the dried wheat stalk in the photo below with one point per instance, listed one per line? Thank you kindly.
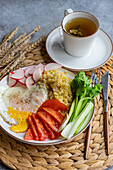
(7, 58)
(13, 33)
(5, 70)
(19, 59)
(11, 44)
(33, 45)
(12, 65)
(8, 37)
(23, 38)
(26, 37)
(19, 38)
(3, 48)
(4, 39)
(2, 53)
(10, 57)
(13, 57)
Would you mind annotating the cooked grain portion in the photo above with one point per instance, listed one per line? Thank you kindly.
(58, 85)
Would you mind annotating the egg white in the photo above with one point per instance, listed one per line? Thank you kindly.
(4, 105)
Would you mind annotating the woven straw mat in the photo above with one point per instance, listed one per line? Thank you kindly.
(66, 156)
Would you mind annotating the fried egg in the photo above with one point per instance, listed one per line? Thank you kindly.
(22, 99)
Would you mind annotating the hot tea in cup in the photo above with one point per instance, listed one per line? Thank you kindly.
(80, 27)
(79, 32)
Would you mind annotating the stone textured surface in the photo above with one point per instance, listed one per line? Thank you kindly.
(48, 14)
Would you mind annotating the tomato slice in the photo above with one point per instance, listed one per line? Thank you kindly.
(46, 117)
(40, 128)
(33, 128)
(57, 115)
(29, 135)
(51, 133)
(54, 104)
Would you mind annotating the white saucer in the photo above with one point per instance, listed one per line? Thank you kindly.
(99, 55)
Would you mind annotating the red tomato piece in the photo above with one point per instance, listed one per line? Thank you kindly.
(33, 128)
(46, 117)
(57, 115)
(51, 133)
(29, 135)
(54, 104)
(40, 128)
(58, 135)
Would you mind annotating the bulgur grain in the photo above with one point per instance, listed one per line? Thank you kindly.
(58, 86)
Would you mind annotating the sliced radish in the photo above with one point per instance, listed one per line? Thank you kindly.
(52, 66)
(29, 82)
(11, 82)
(22, 81)
(41, 67)
(10, 73)
(37, 74)
(29, 71)
(18, 74)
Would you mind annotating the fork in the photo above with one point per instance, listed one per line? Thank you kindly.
(95, 76)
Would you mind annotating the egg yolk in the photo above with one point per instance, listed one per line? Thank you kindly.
(20, 117)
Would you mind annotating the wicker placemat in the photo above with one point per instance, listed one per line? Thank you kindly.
(17, 155)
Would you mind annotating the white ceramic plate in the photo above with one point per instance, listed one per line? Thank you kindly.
(99, 55)
(20, 136)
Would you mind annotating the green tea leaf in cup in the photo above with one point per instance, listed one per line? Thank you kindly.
(77, 31)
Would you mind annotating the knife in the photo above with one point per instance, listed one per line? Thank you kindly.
(105, 83)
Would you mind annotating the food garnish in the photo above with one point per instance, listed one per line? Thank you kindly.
(11, 82)
(52, 66)
(30, 75)
(77, 31)
(17, 75)
(58, 86)
(37, 74)
(27, 77)
(29, 82)
(53, 104)
(46, 122)
(57, 115)
(29, 135)
(29, 71)
(22, 81)
(82, 104)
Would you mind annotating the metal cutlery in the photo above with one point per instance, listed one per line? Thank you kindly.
(105, 83)
(95, 76)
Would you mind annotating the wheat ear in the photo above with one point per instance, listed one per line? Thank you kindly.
(8, 37)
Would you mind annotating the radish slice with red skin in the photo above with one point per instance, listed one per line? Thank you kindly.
(29, 71)
(41, 67)
(11, 82)
(52, 66)
(18, 74)
(22, 81)
(10, 73)
(29, 82)
(37, 75)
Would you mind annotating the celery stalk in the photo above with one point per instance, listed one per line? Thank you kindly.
(84, 122)
(70, 129)
(66, 120)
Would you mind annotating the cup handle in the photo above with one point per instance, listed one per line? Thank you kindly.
(60, 32)
(67, 11)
